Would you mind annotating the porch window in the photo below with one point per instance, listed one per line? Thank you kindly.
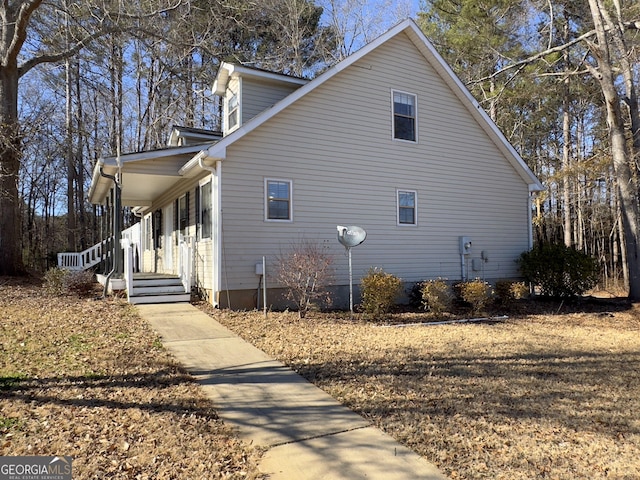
(407, 203)
(148, 231)
(204, 213)
(278, 200)
(183, 214)
(404, 116)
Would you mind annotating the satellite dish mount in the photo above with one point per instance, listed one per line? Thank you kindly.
(351, 237)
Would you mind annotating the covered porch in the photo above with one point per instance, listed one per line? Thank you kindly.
(142, 184)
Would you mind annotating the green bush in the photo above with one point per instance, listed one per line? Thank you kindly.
(437, 296)
(379, 291)
(558, 270)
(477, 293)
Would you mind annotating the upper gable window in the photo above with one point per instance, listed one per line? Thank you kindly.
(233, 109)
(404, 116)
(278, 199)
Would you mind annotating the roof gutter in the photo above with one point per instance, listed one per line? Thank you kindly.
(198, 161)
(97, 170)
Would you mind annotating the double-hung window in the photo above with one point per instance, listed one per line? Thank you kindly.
(404, 116)
(204, 210)
(233, 111)
(182, 214)
(407, 207)
(278, 200)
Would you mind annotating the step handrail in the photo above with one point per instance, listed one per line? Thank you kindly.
(87, 258)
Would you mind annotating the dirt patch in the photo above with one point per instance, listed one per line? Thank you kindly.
(552, 392)
(91, 379)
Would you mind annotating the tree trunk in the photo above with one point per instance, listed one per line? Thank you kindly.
(10, 255)
(624, 174)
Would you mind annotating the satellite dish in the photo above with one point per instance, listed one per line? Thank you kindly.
(351, 236)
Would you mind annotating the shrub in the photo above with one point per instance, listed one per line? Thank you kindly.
(477, 293)
(415, 294)
(508, 291)
(58, 281)
(558, 270)
(79, 282)
(54, 281)
(437, 296)
(379, 291)
(305, 271)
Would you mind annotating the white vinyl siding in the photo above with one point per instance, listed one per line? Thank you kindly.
(257, 96)
(334, 144)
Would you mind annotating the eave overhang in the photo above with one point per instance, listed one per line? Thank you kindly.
(143, 176)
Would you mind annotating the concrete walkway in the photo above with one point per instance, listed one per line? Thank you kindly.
(306, 433)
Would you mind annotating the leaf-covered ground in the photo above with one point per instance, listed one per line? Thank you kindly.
(90, 379)
(551, 394)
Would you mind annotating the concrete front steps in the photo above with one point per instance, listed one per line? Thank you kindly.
(157, 288)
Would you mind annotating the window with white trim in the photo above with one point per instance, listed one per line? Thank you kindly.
(404, 116)
(183, 214)
(278, 200)
(233, 111)
(407, 207)
(148, 231)
(204, 211)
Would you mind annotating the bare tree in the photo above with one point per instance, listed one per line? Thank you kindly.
(30, 35)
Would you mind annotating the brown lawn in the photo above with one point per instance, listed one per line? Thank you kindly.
(553, 393)
(90, 379)
(550, 394)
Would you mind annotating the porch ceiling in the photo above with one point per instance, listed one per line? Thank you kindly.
(144, 176)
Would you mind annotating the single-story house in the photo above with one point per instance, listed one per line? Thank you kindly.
(389, 140)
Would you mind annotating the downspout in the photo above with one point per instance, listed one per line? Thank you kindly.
(529, 215)
(117, 205)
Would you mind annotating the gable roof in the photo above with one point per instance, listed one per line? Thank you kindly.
(411, 29)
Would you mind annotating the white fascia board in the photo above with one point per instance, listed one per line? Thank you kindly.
(203, 156)
(228, 70)
(151, 154)
(222, 77)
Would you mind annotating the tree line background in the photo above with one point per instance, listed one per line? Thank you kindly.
(97, 79)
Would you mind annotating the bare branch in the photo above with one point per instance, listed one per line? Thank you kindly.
(634, 25)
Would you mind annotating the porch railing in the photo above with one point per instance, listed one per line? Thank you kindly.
(127, 249)
(87, 258)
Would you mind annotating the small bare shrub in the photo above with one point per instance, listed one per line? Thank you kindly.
(437, 296)
(58, 281)
(477, 293)
(54, 281)
(79, 282)
(379, 291)
(305, 270)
